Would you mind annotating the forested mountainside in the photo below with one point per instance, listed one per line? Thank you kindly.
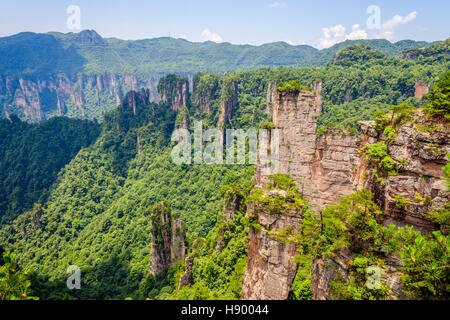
(122, 197)
(84, 75)
(31, 156)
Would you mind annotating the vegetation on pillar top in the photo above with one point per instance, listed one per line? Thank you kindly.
(293, 86)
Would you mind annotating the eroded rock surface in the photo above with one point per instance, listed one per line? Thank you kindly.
(326, 167)
(271, 267)
(168, 243)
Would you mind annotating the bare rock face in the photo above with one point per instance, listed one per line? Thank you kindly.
(39, 98)
(173, 91)
(328, 166)
(228, 102)
(420, 89)
(325, 270)
(168, 243)
(270, 267)
(186, 279)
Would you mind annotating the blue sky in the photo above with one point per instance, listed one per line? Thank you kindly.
(319, 23)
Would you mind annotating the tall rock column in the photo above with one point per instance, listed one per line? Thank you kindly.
(173, 91)
(228, 102)
(274, 217)
(168, 243)
(324, 167)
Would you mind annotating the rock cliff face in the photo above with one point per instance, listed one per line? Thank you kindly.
(173, 91)
(206, 88)
(271, 96)
(419, 151)
(186, 279)
(228, 102)
(420, 89)
(271, 250)
(81, 95)
(168, 243)
(325, 270)
(328, 166)
(136, 98)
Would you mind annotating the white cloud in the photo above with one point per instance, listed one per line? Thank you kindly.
(388, 28)
(295, 43)
(332, 35)
(336, 34)
(181, 36)
(210, 36)
(356, 33)
(277, 4)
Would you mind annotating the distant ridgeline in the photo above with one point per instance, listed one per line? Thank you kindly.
(84, 75)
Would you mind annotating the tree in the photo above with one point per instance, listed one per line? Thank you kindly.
(439, 98)
(14, 283)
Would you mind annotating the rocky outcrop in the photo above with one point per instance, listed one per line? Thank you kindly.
(182, 120)
(186, 279)
(80, 95)
(325, 270)
(89, 37)
(228, 101)
(271, 96)
(168, 242)
(134, 99)
(328, 166)
(206, 89)
(271, 250)
(420, 89)
(173, 91)
(419, 151)
(231, 204)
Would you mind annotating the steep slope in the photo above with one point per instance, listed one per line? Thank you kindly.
(97, 215)
(31, 155)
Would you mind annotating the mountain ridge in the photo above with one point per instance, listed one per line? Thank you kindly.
(88, 52)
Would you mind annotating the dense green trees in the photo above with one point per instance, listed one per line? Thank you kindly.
(97, 213)
(356, 223)
(439, 98)
(31, 157)
(14, 282)
(356, 54)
